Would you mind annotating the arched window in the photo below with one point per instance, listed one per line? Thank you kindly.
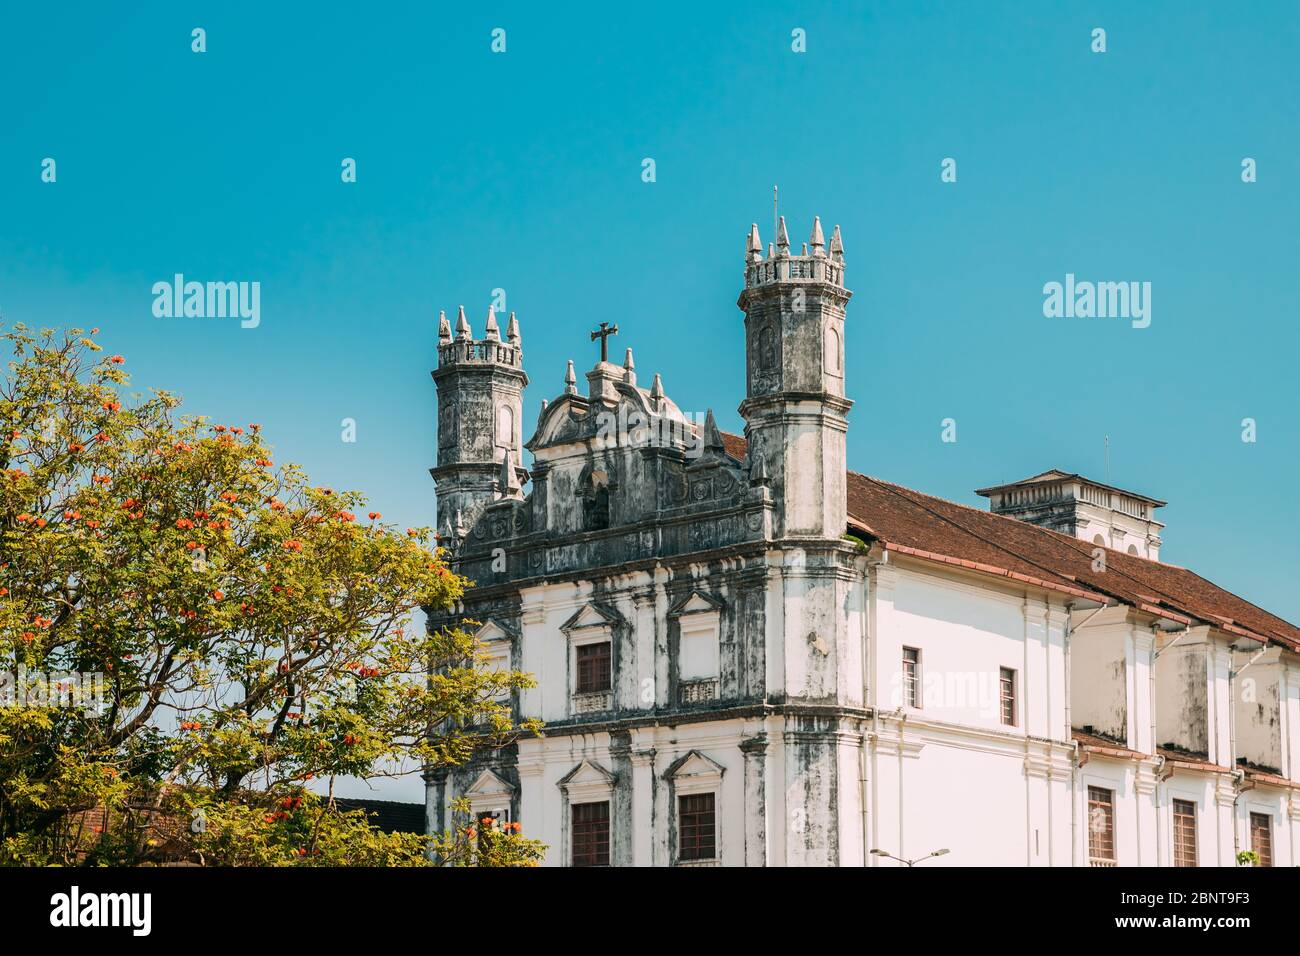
(595, 500)
(506, 426)
(832, 350)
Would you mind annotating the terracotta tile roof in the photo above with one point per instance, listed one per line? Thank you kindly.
(910, 522)
(1190, 761)
(390, 816)
(735, 445)
(1104, 746)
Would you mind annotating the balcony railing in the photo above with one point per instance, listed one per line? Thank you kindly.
(1098, 862)
(594, 703)
(698, 691)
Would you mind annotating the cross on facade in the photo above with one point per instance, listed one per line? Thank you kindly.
(603, 333)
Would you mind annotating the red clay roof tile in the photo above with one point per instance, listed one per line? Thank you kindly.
(910, 522)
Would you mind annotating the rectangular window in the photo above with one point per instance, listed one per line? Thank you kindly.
(1184, 833)
(591, 834)
(695, 827)
(1007, 688)
(1261, 837)
(593, 668)
(1101, 823)
(698, 655)
(911, 677)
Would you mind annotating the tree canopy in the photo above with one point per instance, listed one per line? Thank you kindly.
(191, 631)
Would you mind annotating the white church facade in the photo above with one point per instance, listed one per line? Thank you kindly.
(748, 656)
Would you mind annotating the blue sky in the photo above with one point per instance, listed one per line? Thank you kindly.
(522, 171)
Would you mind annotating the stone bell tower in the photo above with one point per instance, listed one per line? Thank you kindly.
(794, 408)
(480, 386)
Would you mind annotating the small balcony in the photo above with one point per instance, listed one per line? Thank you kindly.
(592, 703)
(697, 691)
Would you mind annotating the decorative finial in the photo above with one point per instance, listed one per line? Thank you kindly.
(656, 391)
(570, 381)
(712, 437)
(444, 328)
(629, 369)
(512, 330)
(757, 473)
(490, 331)
(782, 238)
(816, 240)
(753, 245)
(462, 326)
(837, 245)
(506, 484)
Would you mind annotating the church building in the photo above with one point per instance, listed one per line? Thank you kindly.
(747, 655)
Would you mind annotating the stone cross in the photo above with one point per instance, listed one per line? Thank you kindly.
(603, 333)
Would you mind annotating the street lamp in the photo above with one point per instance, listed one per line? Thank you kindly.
(919, 859)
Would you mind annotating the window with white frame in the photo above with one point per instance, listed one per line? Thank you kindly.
(495, 641)
(1184, 833)
(696, 782)
(588, 791)
(1101, 826)
(490, 797)
(912, 677)
(699, 633)
(591, 659)
(1007, 695)
(1261, 837)
(698, 658)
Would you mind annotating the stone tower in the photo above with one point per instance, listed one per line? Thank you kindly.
(794, 407)
(480, 403)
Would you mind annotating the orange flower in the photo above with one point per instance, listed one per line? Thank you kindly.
(184, 523)
(375, 516)
(117, 360)
(217, 595)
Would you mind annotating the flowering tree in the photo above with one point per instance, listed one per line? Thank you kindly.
(248, 633)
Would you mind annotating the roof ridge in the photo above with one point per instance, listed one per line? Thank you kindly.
(895, 488)
(1074, 543)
